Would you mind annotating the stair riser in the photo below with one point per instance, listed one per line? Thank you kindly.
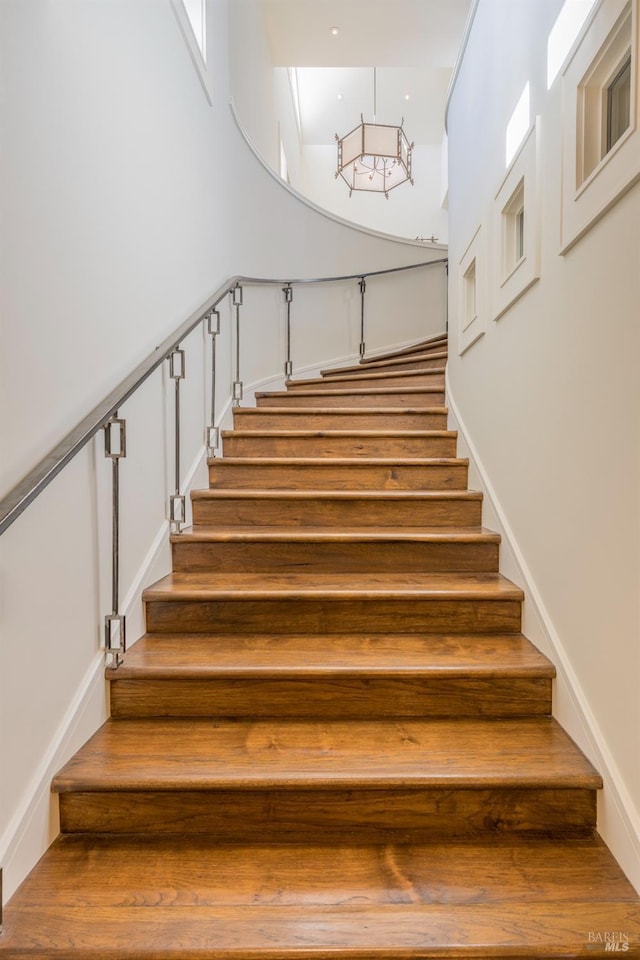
(335, 513)
(326, 815)
(266, 420)
(424, 362)
(333, 697)
(327, 446)
(328, 476)
(370, 381)
(321, 616)
(432, 398)
(323, 557)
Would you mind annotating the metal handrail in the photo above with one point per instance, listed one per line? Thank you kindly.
(31, 486)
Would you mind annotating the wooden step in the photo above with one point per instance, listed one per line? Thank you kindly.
(416, 361)
(339, 443)
(508, 897)
(381, 397)
(333, 603)
(303, 418)
(402, 378)
(329, 779)
(342, 550)
(299, 473)
(423, 346)
(337, 677)
(384, 508)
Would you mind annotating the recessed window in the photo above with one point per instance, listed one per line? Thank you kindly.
(470, 305)
(513, 230)
(619, 104)
(604, 101)
(564, 34)
(600, 132)
(518, 125)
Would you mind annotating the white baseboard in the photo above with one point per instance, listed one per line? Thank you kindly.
(618, 817)
(35, 823)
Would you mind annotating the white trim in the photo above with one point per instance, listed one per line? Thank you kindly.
(470, 329)
(34, 824)
(203, 69)
(473, 9)
(438, 247)
(618, 817)
(508, 285)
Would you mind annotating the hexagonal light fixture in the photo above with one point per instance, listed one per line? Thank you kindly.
(374, 157)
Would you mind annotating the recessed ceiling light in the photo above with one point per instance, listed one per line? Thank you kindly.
(340, 97)
(334, 31)
(407, 96)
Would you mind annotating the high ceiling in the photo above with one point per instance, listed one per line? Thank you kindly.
(412, 43)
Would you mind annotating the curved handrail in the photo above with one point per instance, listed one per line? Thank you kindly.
(31, 486)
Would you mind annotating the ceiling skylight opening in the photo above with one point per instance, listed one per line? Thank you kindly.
(564, 33)
(519, 124)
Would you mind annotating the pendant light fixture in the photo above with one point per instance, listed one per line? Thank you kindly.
(374, 157)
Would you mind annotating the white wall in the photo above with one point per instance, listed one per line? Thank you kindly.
(126, 199)
(550, 397)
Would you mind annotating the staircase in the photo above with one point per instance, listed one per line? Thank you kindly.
(333, 741)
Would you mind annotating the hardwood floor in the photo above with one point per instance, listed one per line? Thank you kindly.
(333, 741)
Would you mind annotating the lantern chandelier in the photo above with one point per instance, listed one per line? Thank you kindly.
(374, 157)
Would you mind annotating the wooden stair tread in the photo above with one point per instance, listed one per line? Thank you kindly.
(204, 655)
(379, 364)
(350, 411)
(324, 494)
(485, 932)
(363, 375)
(204, 755)
(351, 391)
(86, 871)
(207, 586)
(431, 344)
(189, 897)
(357, 434)
(220, 532)
(339, 461)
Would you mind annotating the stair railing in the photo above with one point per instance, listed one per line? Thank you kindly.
(105, 416)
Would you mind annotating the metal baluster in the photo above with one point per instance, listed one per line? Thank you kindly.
(115, 448)
(288, 297)
(236, 300)
(177, 502)
(363, 287)
(446, 296)
(212, 437)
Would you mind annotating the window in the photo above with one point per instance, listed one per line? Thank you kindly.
(470, 304)
(518, 125)
(619, 104)
(564, 34)
(513, 236)
(471, 292)
(516, 227)
(600, 135)
(604, 101)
